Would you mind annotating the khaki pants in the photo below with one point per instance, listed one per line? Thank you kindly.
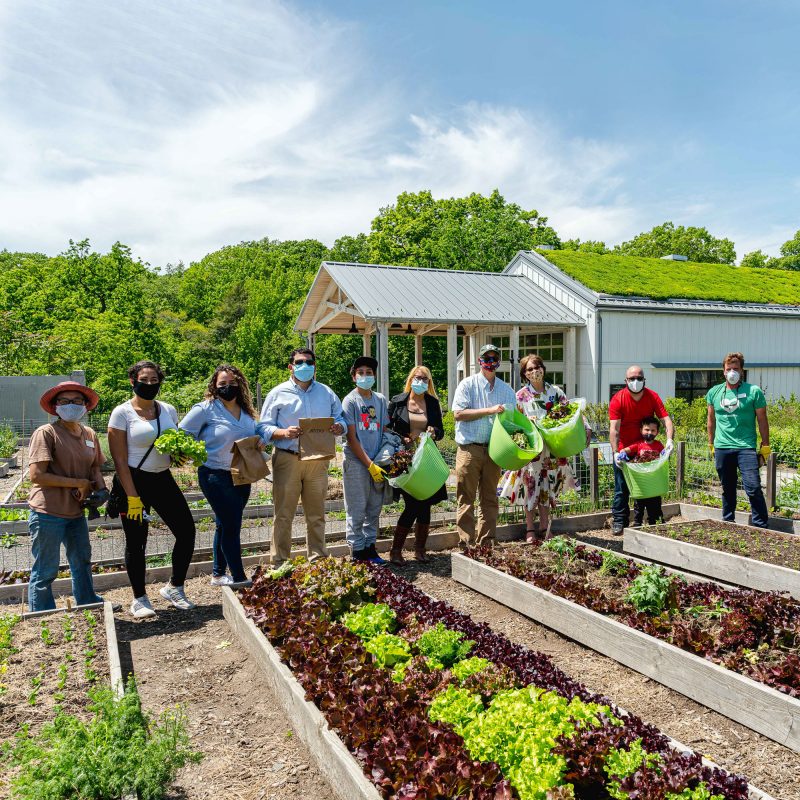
(292, 480)
(476, 473)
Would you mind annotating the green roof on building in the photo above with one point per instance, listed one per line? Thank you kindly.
(660, 279)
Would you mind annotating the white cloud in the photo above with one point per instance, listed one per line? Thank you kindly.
(178, 128)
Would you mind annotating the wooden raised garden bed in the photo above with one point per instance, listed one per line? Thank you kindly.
(398, 694)
(737, 554)
(749, 702)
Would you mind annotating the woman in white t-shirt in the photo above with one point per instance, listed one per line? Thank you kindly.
(145, 476)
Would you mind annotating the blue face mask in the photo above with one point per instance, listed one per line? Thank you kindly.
(304, 372)
(365, 381)
(419, 387)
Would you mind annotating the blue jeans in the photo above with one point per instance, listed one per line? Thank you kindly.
(363, 500)
(228, 502)
(746, 460)
(620, 508)
(48, 533)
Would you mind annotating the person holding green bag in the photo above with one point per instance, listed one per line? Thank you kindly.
(477, 400)
(537, 485)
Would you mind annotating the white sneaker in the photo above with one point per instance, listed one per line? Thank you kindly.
(141, 608)
(176, 596)
(221, 580)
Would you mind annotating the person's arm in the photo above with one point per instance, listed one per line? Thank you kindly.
(356, 448)
(711, 425)
(613, 434)
(40, 476)
(270, 430)
(118, 445)
(194, 421)
(435, 423)
(763, 425)
(669, 428)
(339, 425)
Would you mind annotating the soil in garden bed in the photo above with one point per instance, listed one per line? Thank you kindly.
(781, 549)
(66, 654)
(750, 632)
(769, 766)
(193, 658)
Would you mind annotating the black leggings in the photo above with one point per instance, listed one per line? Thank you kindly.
(158, 491)
(415, 510)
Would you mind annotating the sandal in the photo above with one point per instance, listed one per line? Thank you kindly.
(532, 535)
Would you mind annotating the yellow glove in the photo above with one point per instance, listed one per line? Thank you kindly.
(135, 508)
(764, 450)
(181, 460)
(711, 448)
(378, 475)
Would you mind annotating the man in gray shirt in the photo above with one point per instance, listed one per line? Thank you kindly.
(478, 398)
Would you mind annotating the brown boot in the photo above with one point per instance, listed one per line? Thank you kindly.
(420, 538)
(396, 553)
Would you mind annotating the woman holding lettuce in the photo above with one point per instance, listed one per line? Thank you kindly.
(224, 416)
(144, 473)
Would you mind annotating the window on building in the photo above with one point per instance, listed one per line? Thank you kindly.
(548, 346)
(503, 345)
(555, 378)
(693, 383)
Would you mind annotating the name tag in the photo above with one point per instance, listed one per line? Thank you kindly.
(742, 395)
(90, 443)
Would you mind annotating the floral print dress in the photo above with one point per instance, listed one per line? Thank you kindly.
(540, 481)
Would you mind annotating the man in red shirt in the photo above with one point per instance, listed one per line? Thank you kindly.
(627, 409)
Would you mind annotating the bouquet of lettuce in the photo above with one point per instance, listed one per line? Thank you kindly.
(181, 447)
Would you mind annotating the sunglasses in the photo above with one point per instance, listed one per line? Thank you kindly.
(300, 363)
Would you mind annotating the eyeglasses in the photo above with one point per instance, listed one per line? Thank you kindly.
(534, 369)
(635, 378)
(223, 384)
(300, 363)
(76, 401)
(491, 359)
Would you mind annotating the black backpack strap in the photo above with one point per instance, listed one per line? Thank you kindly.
(158, 433)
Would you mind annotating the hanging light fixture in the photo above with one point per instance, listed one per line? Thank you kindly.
(353, 328)
(409, 329)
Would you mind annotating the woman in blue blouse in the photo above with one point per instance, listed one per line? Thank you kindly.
(224, 416)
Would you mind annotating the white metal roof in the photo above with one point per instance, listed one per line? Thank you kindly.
(419, 295)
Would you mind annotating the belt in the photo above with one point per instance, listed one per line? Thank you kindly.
(286, 450)
(475, 444)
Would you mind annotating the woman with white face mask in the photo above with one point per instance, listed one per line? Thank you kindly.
(65, 460)
(414, 411)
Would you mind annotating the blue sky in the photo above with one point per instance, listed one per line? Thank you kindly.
(180, 127)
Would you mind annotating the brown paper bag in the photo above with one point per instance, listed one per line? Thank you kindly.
(316, 442)
(248, 464)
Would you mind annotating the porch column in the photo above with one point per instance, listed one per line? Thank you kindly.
(469, 368)
(570, 362)
(310, 340)
(417, 350)
(366, 339)
(514, 356)
(382, 335)
(466, 350)
(452, 366)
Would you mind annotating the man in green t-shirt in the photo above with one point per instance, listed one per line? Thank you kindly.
(734, 409)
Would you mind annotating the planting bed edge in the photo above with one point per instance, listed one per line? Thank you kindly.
(717, 564)
(343, 773)
(755, 705)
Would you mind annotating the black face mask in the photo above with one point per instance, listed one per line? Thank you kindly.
(228, 392)
(147, 391)
(648, 437)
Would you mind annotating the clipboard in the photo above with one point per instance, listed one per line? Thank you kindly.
(316, 442)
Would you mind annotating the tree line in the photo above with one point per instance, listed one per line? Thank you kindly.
(102, 311)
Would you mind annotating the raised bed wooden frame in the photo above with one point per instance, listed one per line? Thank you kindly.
(716, 564)
(340, 769)
(755, 705)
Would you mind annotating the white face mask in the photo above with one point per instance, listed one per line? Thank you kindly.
(732, 376)
(70, 413)
(419, 386)
(636, 385)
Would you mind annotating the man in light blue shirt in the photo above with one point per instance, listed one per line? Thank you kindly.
(477, 400)
(300, 397)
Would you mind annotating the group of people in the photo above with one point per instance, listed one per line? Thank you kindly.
(66, 459)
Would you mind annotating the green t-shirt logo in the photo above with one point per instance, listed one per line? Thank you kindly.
(735, 414)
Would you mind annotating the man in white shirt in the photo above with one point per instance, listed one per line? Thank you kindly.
(478, 398)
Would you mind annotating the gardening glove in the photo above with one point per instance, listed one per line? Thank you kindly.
(764, 450)
(711, 448)
(377, 474)
(667, 452)
(620, 457)
(135, 508)
(180, 460)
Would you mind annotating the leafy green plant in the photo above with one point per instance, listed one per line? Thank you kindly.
(389, 649)
(121, 750)
(621, 763)
(564, 548)
(370, 619)
(469, 666)
(282, 571)
(342, 585)
(456, 707)
(36, 684)
(442, 646)
(8, 540)
(650, 591)
(613, 565)
(8, 441)
(7, 623)
(12, 515)
(47, 636)
(179, 444)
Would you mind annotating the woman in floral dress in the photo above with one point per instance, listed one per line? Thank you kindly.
(537, 485)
